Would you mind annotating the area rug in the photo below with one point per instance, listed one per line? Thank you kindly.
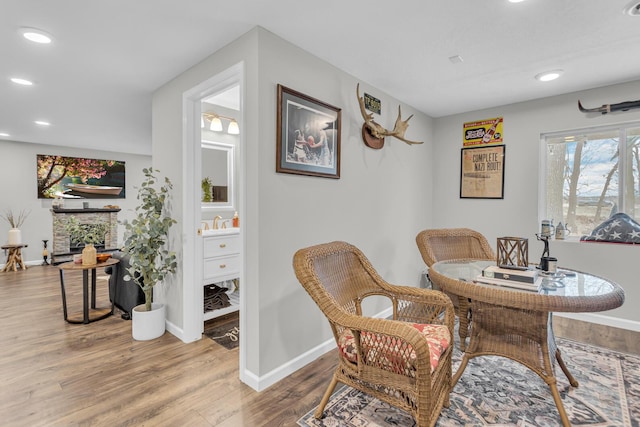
(225, 332)
(496, 391)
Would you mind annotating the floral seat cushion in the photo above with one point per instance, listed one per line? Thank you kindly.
(392, 353)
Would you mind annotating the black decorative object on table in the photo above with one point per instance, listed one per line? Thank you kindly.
(545, 239)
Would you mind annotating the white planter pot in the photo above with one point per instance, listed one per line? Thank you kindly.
(15, 236)
(148, 325)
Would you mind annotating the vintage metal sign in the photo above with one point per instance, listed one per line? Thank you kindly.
(372, 104)
(483, 132)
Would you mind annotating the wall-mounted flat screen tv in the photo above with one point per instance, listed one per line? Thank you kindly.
(79, 178)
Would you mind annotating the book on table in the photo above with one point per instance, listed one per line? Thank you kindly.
(534, 287)
(524, 276)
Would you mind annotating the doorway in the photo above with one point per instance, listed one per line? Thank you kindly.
(211, 96)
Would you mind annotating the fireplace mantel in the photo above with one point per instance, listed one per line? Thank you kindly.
(82, 210)
(61, 250)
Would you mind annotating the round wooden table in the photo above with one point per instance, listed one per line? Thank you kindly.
(14, 258)
(516, 323)
(88, 314)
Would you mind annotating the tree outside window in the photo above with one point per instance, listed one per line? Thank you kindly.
(590, 175)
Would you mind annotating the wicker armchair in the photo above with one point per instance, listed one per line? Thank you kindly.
(406, 361)
(455, 243)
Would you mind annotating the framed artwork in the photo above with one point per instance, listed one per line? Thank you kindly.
(482, 172)
(79, 178)
(308, 135)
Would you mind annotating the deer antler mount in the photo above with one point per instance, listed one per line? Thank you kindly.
(373, 134)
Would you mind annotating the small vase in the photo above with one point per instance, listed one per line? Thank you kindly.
(15, 236)
(89, 255)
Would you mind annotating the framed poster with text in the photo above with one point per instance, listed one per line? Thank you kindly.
(482, 172)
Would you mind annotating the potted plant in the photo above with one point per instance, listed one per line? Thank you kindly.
(89, 234)
(150, 260)
(15, 235)
(206, 189)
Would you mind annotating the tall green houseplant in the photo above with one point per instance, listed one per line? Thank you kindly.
(147, 234)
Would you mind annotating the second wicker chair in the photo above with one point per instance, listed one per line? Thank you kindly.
(440, 244)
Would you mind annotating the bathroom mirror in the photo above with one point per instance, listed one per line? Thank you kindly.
(217, 184)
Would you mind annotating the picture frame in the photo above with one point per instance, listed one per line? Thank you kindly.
(308, 135)
(482, 172)
(79, 177)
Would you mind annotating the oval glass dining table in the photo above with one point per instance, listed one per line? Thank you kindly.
(517, 323)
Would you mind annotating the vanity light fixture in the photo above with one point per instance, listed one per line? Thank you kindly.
(35, 35)
(233, 129)
(547, 76)
(20, 81)
(42, 123)
(216, 123)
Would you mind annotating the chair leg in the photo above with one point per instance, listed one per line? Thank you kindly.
(325, 398)
(464, 315)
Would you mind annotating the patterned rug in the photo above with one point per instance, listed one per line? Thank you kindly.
(496, 391)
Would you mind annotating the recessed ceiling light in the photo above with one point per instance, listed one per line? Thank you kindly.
(35, 35)
(632, 8)
(23, 82)
(547, 76)
(515, 1)
(42, 123)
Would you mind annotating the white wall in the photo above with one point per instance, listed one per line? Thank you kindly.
(19, 190)
(379, 204)
(517, 214)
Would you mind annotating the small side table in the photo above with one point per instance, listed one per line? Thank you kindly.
(88, 314)
(14, 259)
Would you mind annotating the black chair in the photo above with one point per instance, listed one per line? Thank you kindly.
(124, 294)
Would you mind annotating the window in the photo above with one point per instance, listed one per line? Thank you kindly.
(590, 174)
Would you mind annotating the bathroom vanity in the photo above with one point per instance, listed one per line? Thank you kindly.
(221, 251)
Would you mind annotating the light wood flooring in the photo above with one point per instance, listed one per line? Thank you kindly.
(53, 373)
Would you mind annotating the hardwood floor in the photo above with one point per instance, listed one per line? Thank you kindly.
(58, 374)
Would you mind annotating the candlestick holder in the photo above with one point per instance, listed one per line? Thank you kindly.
(45, 253)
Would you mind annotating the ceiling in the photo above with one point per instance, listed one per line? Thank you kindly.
(95, 81)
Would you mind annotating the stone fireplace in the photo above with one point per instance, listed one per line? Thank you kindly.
(63, 249)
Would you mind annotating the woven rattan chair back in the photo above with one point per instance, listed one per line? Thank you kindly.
(452, 243)
(338, 277)
(441, 244)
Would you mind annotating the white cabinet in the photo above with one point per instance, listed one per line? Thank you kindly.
(222, 263)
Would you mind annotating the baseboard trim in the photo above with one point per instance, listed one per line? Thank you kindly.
(283, 371)
(600, 319)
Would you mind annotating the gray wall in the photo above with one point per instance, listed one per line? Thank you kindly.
(517, 214)
(379, 204)
(19, 190)
(381, 201)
